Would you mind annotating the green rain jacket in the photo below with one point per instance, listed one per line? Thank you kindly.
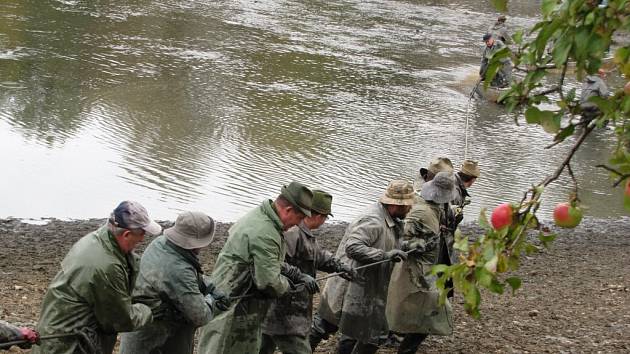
(412, 299)
(93, 290)
(249, 263)
(171, 283)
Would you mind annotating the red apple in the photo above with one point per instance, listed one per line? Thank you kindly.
(567, 215)
(626, 194)
(626, 88)
(502, 216)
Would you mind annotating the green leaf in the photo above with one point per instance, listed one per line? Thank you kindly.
(562, 48)
(439, 268)
(518, 36)
(472, 298)
(546, 239)
(564, 133)
(547, 7)
(500, 5)
(496, 287)
(461, 244)
(514, 282)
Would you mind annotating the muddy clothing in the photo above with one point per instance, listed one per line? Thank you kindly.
(171, 283)
(504, 74)
(500, 31)
(291, 344)
(291, 314)
(289, 319)
(358, 308)
(462, 193)
(593, 86)
(93, 289)
(412, 302)
(9, 332)
(249, 263)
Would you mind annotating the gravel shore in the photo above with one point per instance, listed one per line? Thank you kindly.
(575, 296)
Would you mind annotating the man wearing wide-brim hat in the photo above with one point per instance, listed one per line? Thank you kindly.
(412, 301)
(250, 265)
(289, 319)
(357, 309)
(172, 284)
(425, 174)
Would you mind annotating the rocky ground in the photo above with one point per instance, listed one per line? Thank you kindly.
(575, 296)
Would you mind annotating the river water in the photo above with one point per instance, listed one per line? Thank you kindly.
(213, 105)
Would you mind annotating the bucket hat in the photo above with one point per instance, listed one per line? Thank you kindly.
(438, 165)
(440, 189)
(322, 203)
(131, 215)
(192, 230)
(471, 168)
(398, 192)
(299, 196)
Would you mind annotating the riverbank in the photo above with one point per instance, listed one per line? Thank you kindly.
(575, 296)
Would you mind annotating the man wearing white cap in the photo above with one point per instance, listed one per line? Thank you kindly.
(172, 284)
(412, 299)
(92, 291)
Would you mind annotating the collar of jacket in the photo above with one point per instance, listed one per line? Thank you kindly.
(188, 255)
(461, 186)
(108, 240)
(306, 230)
(269, 210)
(388, 218)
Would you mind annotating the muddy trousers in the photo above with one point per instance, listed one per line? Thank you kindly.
(285, 344)
(159, 337)
(411, 342)
(322, 329)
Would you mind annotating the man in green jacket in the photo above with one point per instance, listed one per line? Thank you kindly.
(412, 299)
(172, 284)
(92, 291)
(288, 321)
(249, 265)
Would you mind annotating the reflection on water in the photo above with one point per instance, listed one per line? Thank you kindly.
(214, 105)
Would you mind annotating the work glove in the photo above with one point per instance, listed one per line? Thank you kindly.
(395, 255)
(349, 273)
(30, 335)
(309, 283)
(417, 245)
(217, 304)
(222, 301)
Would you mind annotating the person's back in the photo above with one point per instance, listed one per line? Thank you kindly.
(92, 291)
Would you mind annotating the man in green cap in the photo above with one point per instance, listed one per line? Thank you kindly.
(250, 265)
(288, 321)
(357, 309)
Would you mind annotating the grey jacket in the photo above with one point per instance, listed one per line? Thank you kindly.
(593, 86)
(291, 314)
(358, 308)
(171, 283)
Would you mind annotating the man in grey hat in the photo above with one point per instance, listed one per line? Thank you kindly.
(249, 267)
(172, 284)
(503, 77)
(412, 299)
(357, 309)
(289, 319)
(92, 291)
(500, 31)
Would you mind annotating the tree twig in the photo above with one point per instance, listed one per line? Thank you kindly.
(575, 184)
(587, 130)
(622, 176)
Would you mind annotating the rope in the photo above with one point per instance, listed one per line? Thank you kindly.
(300, 287)
(472, 93)
(83, 336)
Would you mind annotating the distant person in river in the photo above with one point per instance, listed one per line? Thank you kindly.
(503, 76)
(500, 31)
(594, 86)
(91, 293)
(172, 284)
